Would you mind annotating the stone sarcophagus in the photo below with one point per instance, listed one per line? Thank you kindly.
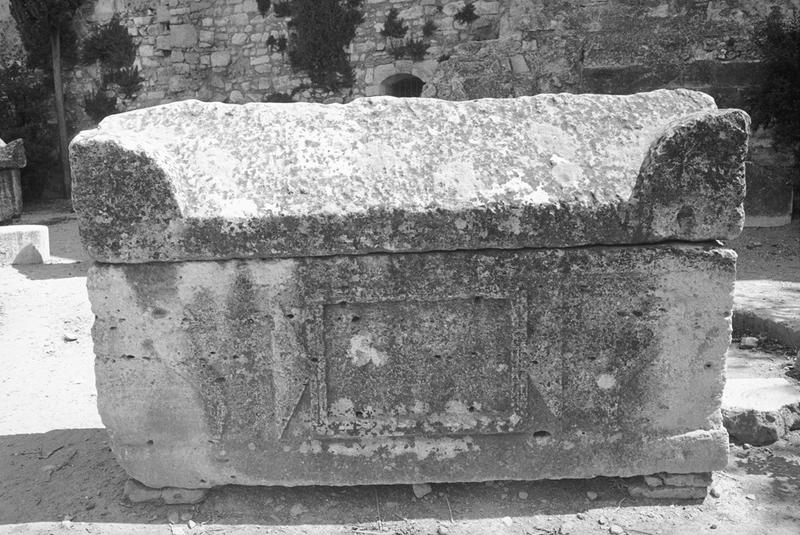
(12, 160)
(400, 291)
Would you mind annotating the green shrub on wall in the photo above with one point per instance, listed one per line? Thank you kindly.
(429, 28)
(466, 14)
(393, 27)
(416, 49)
(99, 105)
(111, 47)
(321, 30)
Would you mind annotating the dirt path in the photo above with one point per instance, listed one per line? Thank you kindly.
(57, 474)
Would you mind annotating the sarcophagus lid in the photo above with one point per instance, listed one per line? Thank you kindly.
(203, 181)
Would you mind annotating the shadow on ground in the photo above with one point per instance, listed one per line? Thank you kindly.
(72, 473)
(53, 271)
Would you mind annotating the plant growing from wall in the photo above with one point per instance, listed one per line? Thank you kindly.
(281, 43)
(321, 29)
(263, 6)
(45, 27)
(393, 27)
(466, 14)
(777, 100)
(429, 28)
(99, 105)
(128, 80)
(111, 47)
(416, 49)
(397, 50)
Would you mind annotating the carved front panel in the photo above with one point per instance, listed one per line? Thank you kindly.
(447, 365)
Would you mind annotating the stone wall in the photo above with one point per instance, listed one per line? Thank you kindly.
(218, 50)
(611, 46)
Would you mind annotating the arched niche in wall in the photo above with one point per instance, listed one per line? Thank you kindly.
(402, 85)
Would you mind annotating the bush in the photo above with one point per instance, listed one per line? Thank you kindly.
(111, 45)
(777, 100)
(429, 28)
(393, 27)
(416, 49)
(321, 31)
(466, 14)
(24, 112)
(127, 79)
(263, 6)
(397, 51)
(99, 105)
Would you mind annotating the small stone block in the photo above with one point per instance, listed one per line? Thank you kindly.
(176, 496)
(136, 492)
(687, 480)
(667, 492)
(653, 481)
(24, 244)
(421, 490)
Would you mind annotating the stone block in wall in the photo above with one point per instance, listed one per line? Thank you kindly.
(518, 64)
(183, 36)
(737, 73)
(619, 80)
(206, 38)
(103, 11)
(238, 39)
(483, 8)
(239, 19)
(220, 58)
(474, 343)
(163, 42)
(162, 13)
(411, 13)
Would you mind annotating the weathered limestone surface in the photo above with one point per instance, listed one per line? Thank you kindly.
(415, 367)
(517, 319)
(198, 181)
(24, 244)
(12, 159)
